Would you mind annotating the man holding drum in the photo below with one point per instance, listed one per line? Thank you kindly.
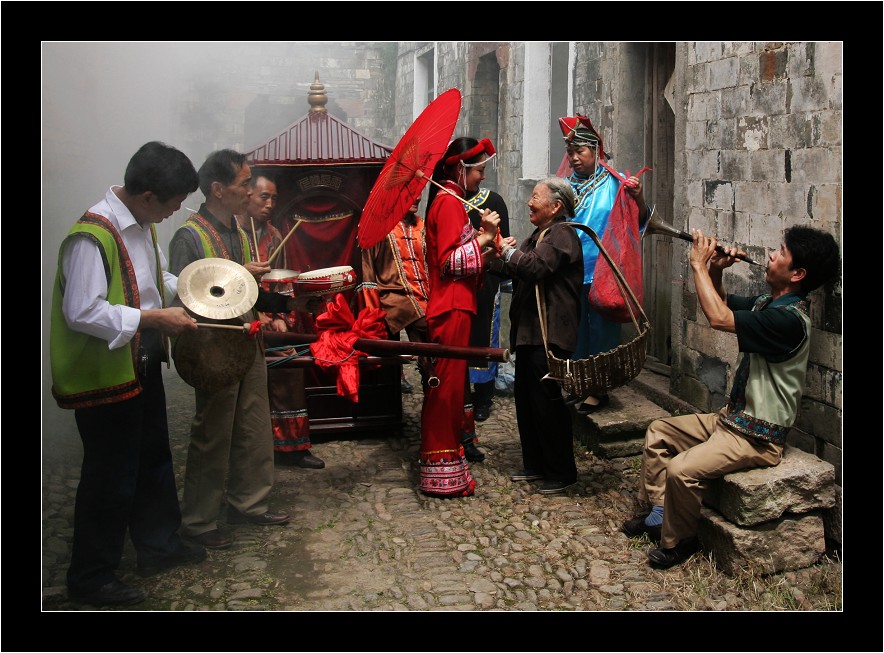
(230, 436)
(288, 401)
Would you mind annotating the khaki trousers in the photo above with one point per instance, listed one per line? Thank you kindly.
(681, 455)
(231, 437)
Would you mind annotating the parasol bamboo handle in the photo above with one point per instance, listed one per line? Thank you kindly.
(255, 236)
(420, 173)
(244, 327)
(287, 236)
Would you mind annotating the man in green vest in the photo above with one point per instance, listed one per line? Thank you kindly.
(109, 323)
(682, 454)
(231, 441)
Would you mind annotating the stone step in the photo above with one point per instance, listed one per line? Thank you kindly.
(618, 430)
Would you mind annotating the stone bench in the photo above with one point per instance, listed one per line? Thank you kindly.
(769, 519)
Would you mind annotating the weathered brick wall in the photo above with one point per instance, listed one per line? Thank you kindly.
(404, 85)
(509, 140)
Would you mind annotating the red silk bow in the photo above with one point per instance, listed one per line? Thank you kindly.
(338, 332)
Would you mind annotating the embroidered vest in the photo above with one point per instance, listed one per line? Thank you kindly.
(85, 372)
(212, 244)
(765, 396)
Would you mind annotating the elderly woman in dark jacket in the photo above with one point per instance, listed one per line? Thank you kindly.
(551, 258)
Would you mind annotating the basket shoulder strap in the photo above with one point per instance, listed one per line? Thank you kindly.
(541, 300)
(622, 284)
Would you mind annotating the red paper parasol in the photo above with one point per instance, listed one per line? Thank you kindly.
(409, 168)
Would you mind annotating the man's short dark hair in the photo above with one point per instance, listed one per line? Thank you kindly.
(161, 169)
(253, 182)
(814, 250)
(221, 166)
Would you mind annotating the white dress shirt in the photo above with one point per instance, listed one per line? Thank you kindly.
(85, 304)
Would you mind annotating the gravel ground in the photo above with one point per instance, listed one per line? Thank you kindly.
(362, 538)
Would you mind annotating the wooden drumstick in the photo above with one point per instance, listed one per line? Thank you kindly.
(287, 236)
(243, 328)
(255, 237)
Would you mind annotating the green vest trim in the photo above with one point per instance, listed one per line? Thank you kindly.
(85, 373)
(211, 241)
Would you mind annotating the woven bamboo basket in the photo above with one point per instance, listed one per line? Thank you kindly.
(606, 370)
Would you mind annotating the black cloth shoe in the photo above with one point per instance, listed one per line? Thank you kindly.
(302, 458)
(588, 409)
(185, 555)
(481, 413)
(113, 593)
(572, 400)
(524, 475)
(471, 452)
(666, 558)
(407, 389)
(267, 519)
(637, 527)
(307, 460)
(555, 487)
(214, 539)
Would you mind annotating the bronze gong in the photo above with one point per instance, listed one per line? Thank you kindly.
(211, 359)
(217, 291)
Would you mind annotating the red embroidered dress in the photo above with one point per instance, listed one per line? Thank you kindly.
(454, 263)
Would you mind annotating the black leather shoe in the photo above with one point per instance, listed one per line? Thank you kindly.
(637, 527)
(113, 593)
(185, 555)
(214, 539)
(555, 487)
(524, 475)
(267, 519)
(666, 558)
(481, 413)
(471, 453)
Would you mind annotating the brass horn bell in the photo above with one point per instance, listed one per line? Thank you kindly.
(657, 225)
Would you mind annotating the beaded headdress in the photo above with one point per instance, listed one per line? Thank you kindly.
(578, 131)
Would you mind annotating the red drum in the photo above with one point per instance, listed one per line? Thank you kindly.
(280, 280)
(325, 281)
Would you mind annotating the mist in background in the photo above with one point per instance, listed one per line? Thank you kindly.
(102, 101)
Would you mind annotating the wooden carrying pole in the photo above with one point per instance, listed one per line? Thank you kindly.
(397, 347)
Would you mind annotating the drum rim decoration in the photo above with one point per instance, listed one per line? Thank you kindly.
(308, 275)
(292, 275)
(318, 283)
